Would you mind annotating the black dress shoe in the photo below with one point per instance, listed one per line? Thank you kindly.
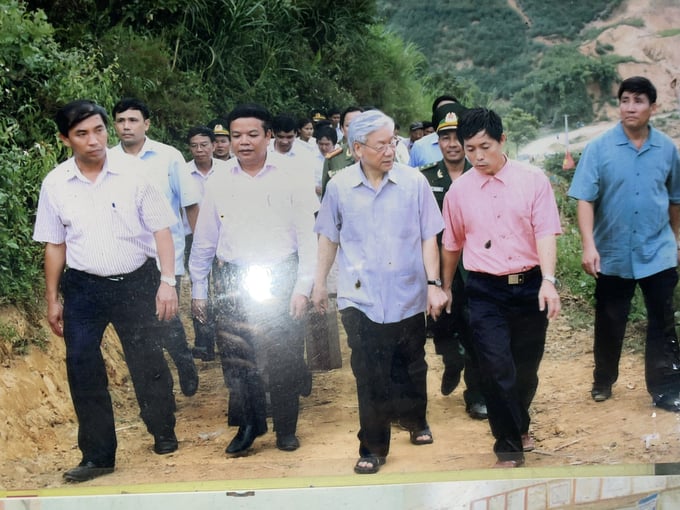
(86, 471)
(188, 377)
(477, 411)
(306, 386)
(601, 392)
(242, 440)
(287, 442)
(164, 444)
(203, 354)
(669, 403)
(450, 380)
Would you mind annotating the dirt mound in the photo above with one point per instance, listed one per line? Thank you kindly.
(38, 429)
(651, 47)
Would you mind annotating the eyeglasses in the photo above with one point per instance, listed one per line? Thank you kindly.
(382, 148)
(202, 145)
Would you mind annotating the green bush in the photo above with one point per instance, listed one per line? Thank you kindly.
(40, 77)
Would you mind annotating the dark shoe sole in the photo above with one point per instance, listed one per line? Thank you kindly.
(288, 444)
(601, 393)
(477, 411)
(505, 464)
(85, 473)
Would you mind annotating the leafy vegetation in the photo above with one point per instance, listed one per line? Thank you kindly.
(564, 19)
(526, 56)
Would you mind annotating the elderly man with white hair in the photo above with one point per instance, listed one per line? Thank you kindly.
(381, 219)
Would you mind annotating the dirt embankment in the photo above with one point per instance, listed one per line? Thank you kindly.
(38, 429)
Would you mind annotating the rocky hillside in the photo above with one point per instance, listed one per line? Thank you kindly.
(496, 49)
(653, 47)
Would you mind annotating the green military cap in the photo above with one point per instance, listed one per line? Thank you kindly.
(447, 116)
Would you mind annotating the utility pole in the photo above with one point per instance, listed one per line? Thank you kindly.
(568, 162)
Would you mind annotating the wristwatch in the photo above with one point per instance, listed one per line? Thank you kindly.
(550, 278)
(169, 280)
(436, 283)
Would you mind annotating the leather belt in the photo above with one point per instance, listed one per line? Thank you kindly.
(514, 278)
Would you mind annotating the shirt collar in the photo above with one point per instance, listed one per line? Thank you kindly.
(358, 177)
(622, 139)
(73, 172)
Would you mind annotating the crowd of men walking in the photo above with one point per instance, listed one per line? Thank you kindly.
(283, 224)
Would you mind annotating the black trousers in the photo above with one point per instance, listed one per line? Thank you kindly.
(388, 362)
(452, 338)
(204, 333)
(508, 332)
(613, 297)
(174, 340)
(129, 304)
(261, 347)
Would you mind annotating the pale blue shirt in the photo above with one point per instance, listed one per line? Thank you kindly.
(631, 190)
(169, 172)
(426, 150)
(380, 234)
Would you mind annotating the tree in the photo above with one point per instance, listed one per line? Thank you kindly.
(520, 127)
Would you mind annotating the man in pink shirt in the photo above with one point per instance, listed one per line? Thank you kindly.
(509, 249)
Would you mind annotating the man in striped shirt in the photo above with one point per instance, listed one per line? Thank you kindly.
(106, 223)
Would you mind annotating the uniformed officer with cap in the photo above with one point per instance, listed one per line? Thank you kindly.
(451, 332)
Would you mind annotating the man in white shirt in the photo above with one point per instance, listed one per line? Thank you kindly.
(202, 144)
(166, 167)
(100, 217)
(284, 131)
(257, 219)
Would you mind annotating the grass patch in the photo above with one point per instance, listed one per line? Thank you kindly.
(669, 32)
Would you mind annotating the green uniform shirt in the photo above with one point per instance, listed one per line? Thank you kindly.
(440, 182)
(341, 158)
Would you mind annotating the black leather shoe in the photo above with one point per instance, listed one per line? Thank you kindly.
(477, 411)
(601, 392)
(669, 403)
(306, 386)
(242, 440)
(164, 444)
(188, 377)
(203, 354)
(287, 442)
(450, 380)
(86, 471)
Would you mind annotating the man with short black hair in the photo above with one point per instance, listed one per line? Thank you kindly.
(166, 167)
(451, 332)
(257, 220)
(627, 184)
(104, 222)
(426, 149)
(202, 144)
(509, 249)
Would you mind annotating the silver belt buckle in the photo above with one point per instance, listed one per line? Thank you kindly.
(516, 279)
(115, 278)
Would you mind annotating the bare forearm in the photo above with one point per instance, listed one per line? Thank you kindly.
(547, 254)
(166, 251)
(431, 258)
(55, 261)
(450, 261)
(192, 215)
(585, 212)
(327, 250)
(674, 215)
